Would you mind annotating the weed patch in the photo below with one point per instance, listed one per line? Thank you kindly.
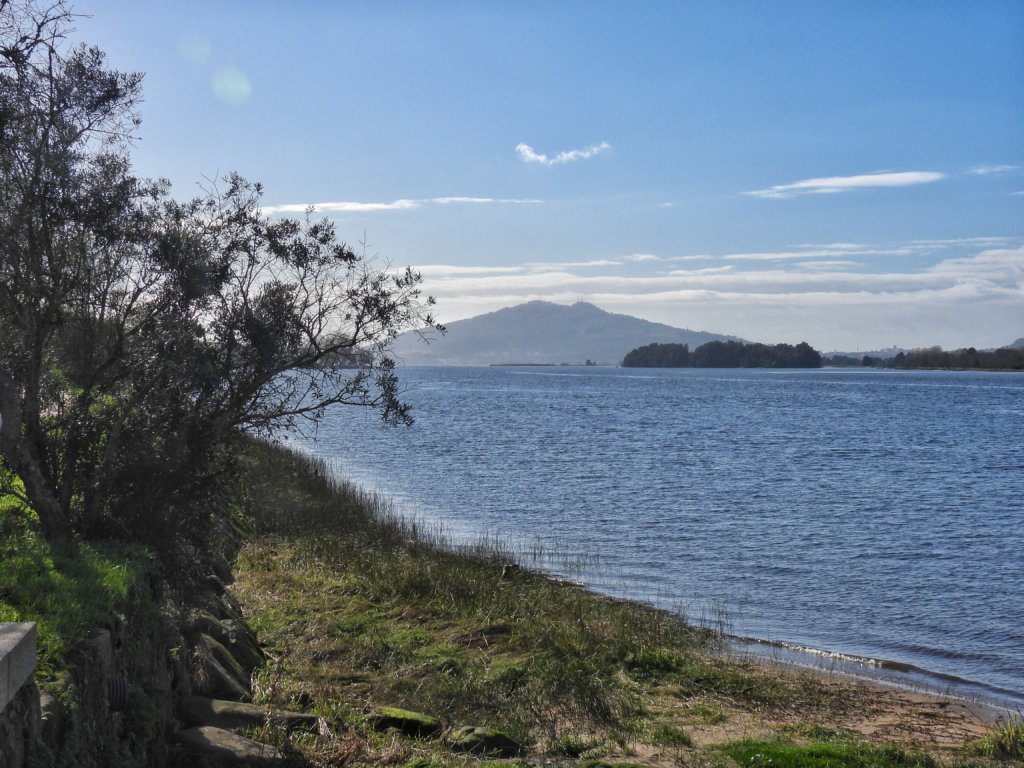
(770, 754)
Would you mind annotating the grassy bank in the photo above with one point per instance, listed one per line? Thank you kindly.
(68, 592)
(362, 611)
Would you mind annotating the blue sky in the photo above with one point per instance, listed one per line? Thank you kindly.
(844, 173)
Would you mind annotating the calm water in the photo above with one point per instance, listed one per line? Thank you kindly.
(879, 514)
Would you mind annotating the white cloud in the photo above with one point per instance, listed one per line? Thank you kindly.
(528, 155)
(701, 271)
(471, 200)
(547, 265)
(833, 246)
(403, 204)
(451, 200)
(834, 184)
(985, 170)
(975, 299)
(955, 242)
(342, 207)
(449, 270)
(639, 257)
(994, 272)
(831, 264)
(815, 254)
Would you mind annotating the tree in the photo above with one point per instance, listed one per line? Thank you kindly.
(658, 356)
(139, 336)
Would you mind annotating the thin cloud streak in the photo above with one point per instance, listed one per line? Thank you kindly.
(985, 170)
(547, 265)
(825, 253)
(402, 204)
(450, 270)
(826, 303)
(528, 155)
(834, 184)
(837, 264)
(994, 272)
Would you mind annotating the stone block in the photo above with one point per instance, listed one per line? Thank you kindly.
(17, 658)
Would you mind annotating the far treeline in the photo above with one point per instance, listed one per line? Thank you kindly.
(1003, 359)
(723, 354)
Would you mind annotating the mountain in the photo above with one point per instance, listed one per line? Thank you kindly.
(542, 332)
(1018, 344)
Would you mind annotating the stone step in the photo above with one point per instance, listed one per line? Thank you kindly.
(224, 748)
(234, 715)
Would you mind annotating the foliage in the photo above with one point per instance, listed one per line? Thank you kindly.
(333, 575)
(139, 334)
(69, 592)
(723, 354)
(1004, 359)
(666, 735)
(658, 356)
(780, 754)
(733, 354)
(1006, 741)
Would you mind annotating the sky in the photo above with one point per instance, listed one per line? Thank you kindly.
(849, 174)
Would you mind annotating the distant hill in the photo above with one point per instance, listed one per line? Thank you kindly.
(1018, 344)
(543, 332)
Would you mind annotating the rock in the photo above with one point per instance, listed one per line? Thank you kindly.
(234, 636)
(404, 721)
(54, 717)
(101, 648)
(224, 657)
(484, 741)
(214, 679)
(224, 748)
(222, 569)
(196, 710)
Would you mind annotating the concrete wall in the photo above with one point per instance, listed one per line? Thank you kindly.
(17, 659)
(19, 698)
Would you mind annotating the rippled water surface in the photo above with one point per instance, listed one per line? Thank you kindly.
(872, 513)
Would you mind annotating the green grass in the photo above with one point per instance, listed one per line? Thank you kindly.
(363, 610)
(1006, 741)
(436, 630)
(775, 754)
(68, 592)
(666, 735)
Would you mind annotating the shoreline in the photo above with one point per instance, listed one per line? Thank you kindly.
(362, 612)
(891, 675)
(888, 673)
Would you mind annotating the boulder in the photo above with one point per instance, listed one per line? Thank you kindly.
(230, 715)
(211, 647)
(234, 636)
(224, 748)
(488, 742)
(404, 721)
(214, 679)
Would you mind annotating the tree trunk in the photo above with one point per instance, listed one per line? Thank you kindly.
(17, 451)
(52, 517)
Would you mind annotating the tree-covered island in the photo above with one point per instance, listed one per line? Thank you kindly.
(723, 354)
